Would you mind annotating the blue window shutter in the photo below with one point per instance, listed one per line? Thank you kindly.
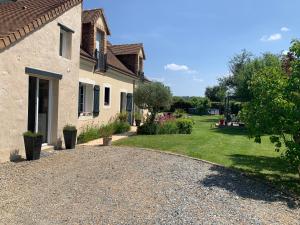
(96, 100)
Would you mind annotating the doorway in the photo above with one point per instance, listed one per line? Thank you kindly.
(39, 107)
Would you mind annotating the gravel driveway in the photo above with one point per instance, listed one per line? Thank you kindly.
(110, 185)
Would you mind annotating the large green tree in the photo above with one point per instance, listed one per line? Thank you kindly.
(275, 105)
(153, 96)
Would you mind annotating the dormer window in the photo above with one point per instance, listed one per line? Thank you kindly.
(99, 52)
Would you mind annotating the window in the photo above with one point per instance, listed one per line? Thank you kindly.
(107, 96)
(65, 42)
(86, 99)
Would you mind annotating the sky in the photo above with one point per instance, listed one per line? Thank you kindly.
(188, 43)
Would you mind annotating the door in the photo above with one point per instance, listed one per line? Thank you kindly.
(38, 106)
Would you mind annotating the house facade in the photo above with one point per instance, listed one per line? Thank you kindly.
(108, 73)
(56, 69)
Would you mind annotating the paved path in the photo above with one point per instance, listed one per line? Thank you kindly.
(110, 185)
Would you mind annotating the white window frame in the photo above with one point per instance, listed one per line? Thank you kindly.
(110, 93)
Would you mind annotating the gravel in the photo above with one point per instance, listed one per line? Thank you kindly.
(113, 185)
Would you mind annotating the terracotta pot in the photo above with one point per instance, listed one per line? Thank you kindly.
(107, 141)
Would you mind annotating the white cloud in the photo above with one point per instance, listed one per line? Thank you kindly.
(180, 68)
(273, 37)
(285, 29)
(197, 79)
(176, 67)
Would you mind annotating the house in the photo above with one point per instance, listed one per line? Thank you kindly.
(108, 73)
(57, 68)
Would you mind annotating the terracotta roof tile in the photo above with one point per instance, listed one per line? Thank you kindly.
(113, 61)
(86, 55)
(128, 49)
(24, 16)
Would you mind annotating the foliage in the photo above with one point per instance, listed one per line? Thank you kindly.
(148, 128)
(187, 103)
(180, 103)
(216, 93)
(122, 117)
(153, 96)
(138, 116)
(69, 128)
(166, 117)
(169, 127)
(275, 107)
(121, 127)
(185, 125)
(107, 130)
(179, 113)
(88, 134)
(32, 134)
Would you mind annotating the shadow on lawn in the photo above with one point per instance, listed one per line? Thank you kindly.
(232, 131)
(246, 187)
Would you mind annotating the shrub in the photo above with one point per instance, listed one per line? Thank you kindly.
(122, 117)
(166, 117)
(69, 128)
(179, 113)
(31, 134)
(107, 130)
(185, 125)
(121, 127)
(138, 116)
(169, 127)
(88, 134)
(148, 129)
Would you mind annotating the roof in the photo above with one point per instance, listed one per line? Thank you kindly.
(113, 61)
(86, 55)
(19, 19)
(92, 15)
(128, 49)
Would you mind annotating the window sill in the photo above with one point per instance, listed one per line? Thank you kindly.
(86, 116)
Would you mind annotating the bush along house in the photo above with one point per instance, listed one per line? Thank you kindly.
(57, 68)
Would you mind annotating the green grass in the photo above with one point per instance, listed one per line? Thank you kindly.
(230, 147)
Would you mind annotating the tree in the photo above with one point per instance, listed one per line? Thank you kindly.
(153, 96)
(216, 93)
(275, 107)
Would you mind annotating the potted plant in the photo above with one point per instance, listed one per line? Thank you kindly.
(138, 119)
(70, 136)
(33, 145)
(106, 133)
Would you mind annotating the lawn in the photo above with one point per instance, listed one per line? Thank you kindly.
(230, 147)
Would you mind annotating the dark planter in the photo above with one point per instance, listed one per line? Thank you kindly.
(107, 141)
(33, 147)
(138, 123)
(70, 137)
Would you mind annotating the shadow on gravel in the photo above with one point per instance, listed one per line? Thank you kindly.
(245, 187)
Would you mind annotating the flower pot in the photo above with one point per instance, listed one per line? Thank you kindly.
(70, 137)
(33, 146)
(107, 141)
(222, 122)
(138, 123)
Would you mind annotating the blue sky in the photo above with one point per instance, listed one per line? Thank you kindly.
(188, 43)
